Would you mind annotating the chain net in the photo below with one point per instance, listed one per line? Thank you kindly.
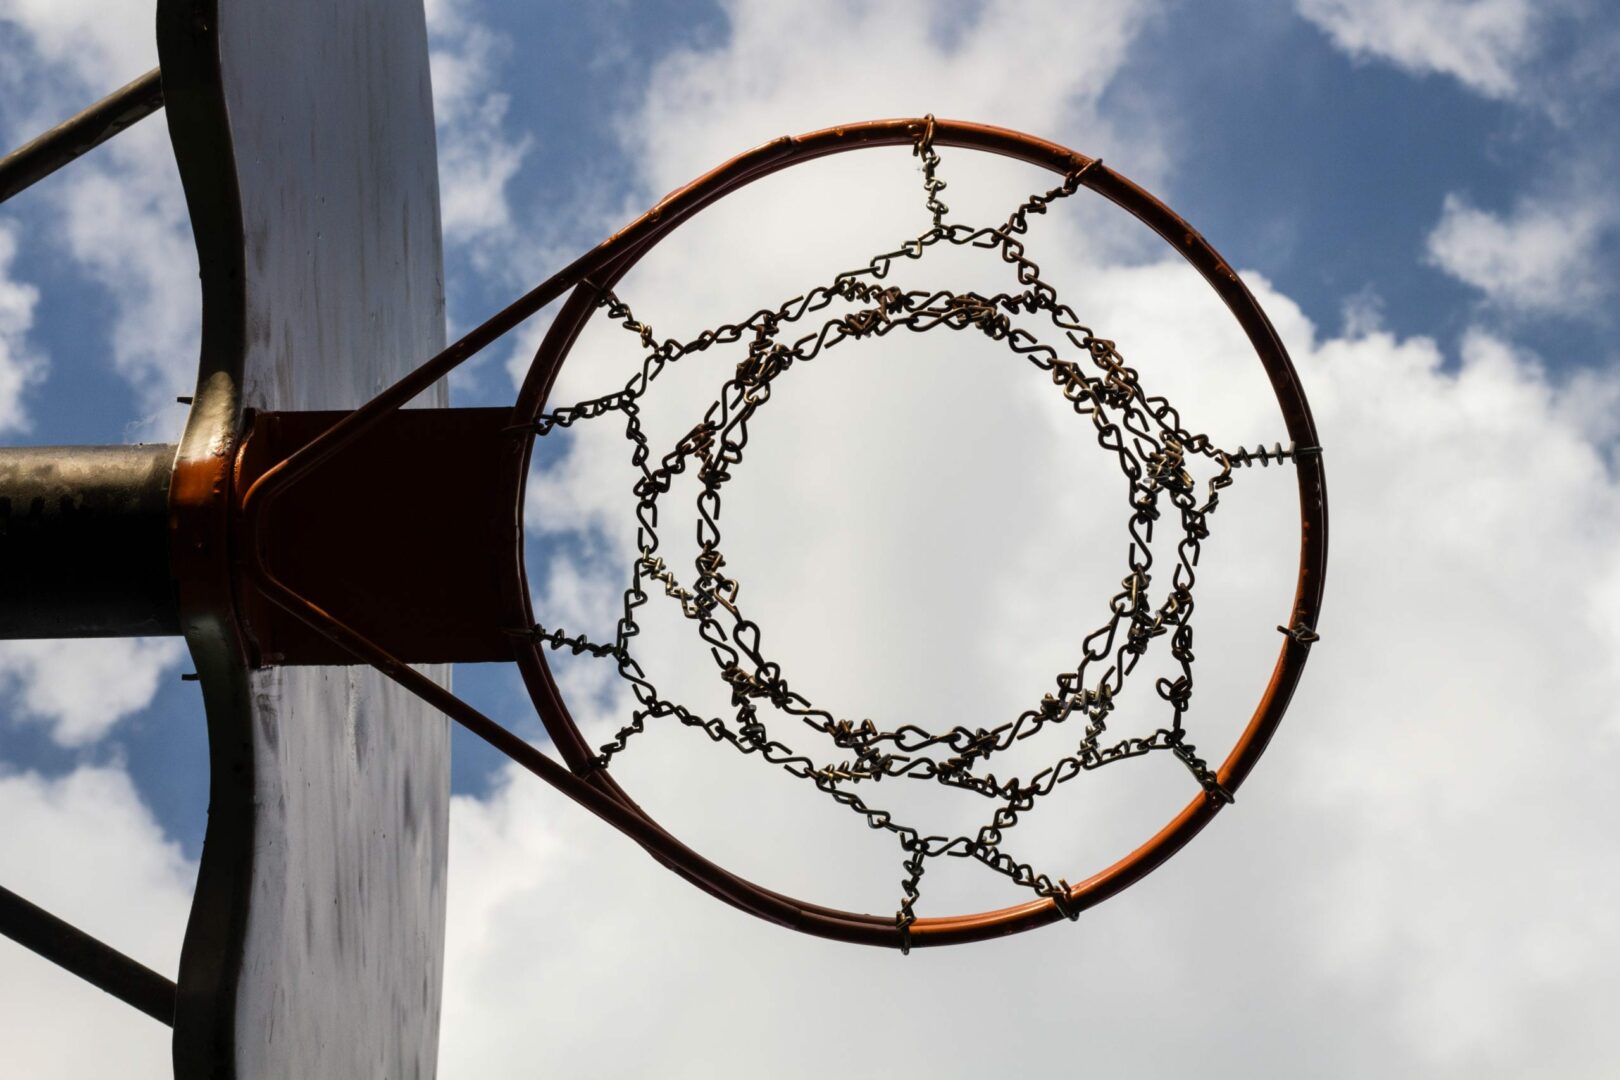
(1143, 433)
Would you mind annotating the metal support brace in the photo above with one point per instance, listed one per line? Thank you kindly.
(34, 161)
(96, 963)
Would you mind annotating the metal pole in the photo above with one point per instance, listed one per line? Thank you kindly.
(84, 542)
(98, 964)
(34, 161)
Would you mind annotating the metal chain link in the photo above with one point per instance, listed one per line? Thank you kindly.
(1144, 434)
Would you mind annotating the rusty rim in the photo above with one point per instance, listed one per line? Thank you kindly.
(680, 206)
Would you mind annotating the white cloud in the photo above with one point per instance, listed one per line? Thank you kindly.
(100, 43)
(123, 218)
(789, 68)
(1548, 253)
(20, 365)
(1542, 257)
(1484, 44)
(81, 689)
(1456, 552)
(85, 848)
(477, 157)
(119, 212)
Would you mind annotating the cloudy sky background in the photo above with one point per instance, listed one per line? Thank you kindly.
(1420, 879)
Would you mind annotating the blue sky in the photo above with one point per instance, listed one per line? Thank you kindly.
(1420, 194)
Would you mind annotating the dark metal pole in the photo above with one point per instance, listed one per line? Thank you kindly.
(98, 964)
(84, 542)
(34, 161)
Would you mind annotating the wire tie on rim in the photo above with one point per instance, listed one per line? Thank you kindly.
(924, 142)
(1077, 175)
(1301, 633)
(1064, 903)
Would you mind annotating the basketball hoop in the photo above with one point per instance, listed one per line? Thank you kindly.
(1141, 431)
